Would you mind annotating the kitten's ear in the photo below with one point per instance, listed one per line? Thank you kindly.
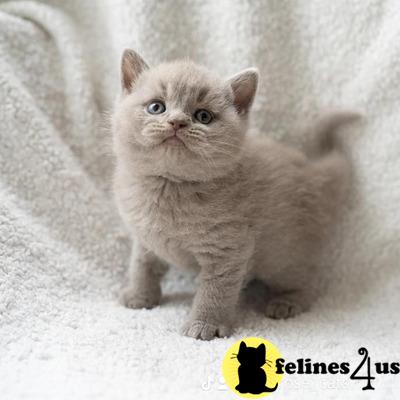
(132, 65)
(261, 349)
(242, 346)
(244, 87)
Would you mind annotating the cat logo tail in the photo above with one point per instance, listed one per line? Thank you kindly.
(269, 390)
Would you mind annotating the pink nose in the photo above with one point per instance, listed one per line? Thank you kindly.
(177, 124)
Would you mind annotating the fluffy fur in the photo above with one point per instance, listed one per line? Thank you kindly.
(207, 196)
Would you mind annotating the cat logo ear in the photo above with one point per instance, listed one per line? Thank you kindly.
(244, 87)
(242, 346)
(262, 349)
(132, 65)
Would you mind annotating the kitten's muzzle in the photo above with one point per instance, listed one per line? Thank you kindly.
(177, 124)
(174, 139)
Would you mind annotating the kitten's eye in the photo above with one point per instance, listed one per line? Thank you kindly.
(156, 107)
(203, 116)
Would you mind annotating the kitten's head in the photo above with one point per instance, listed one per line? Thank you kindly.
(254, 356)
(179, 120)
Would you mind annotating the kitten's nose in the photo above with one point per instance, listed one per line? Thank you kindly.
(177, 123)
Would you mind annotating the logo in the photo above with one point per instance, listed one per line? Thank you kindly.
(249, 368)
(362, 371)
(253, 368)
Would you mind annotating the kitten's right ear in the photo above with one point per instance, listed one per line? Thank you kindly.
(132, 65)
(242, 346)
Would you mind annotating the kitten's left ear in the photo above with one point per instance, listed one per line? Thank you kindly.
(244, 87)
(132, 65)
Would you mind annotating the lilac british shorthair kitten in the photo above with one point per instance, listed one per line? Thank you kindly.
(196, 192)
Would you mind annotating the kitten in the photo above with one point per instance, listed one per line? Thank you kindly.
(252, 377)
(196, 192)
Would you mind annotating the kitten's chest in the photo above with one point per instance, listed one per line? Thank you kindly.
(165, 218)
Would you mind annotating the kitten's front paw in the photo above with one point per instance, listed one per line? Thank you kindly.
(199, 329)
(281, 308)
(133, 299)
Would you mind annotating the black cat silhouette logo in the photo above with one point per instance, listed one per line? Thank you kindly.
(249, 368)
(252, 378)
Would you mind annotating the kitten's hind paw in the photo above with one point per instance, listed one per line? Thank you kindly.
(282, 308)
(131, 298)
(199, 329)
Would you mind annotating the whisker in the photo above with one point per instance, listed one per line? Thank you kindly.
(194, 137)
(219, 151)
(196, 132)
(224, 144)
(209, 162)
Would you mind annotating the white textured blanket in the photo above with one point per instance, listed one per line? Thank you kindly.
(63, 250)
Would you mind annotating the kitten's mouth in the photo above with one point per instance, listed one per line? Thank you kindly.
(174, 140)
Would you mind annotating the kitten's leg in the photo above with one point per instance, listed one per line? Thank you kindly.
(293, 290)
(287, 304)
(145, 272)
(215, 301)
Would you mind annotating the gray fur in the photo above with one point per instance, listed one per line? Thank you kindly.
(232, 206)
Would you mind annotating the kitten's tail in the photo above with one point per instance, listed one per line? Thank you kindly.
(332, 169)
(326, 130)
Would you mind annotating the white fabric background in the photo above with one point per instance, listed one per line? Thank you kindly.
(63, 250)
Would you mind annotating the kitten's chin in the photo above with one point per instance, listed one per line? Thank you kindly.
(180, 160)
(173, 141)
